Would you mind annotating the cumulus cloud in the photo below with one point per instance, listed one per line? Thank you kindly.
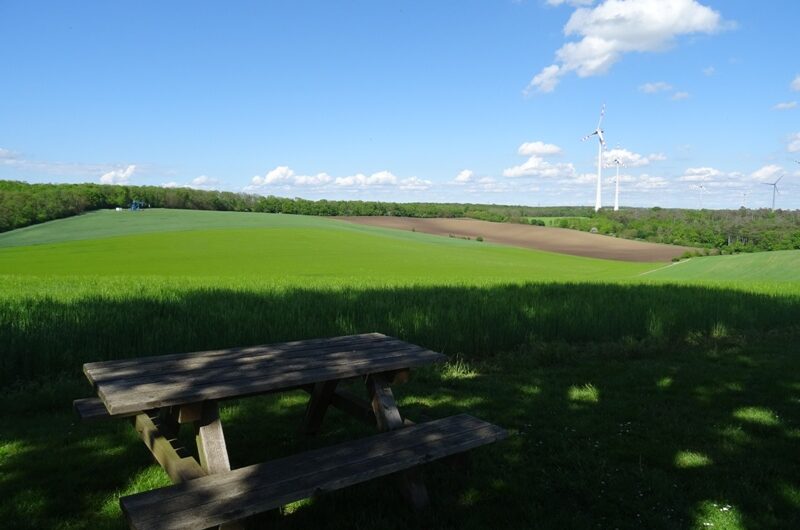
(538, 148)
(793, 145)
(677, 96)
(785, 105)
(649, 182)
(118, 176)
(700, 174)
(381, 178)
(285, 177)
(796, 83)
(652, 88)
(573, 3)
(463, 176)
(203, 181)
(768, 173)
(537, 166)
(631, 159)
(171, 184)
(7, 155)
(616, 27)
(415, 184)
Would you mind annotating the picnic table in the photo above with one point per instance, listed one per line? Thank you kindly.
(160, 393)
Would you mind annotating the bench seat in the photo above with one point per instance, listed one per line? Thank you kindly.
(229, 496)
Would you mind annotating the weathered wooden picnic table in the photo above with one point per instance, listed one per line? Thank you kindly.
(161, 393)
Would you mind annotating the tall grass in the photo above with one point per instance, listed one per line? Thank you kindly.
(50, 326)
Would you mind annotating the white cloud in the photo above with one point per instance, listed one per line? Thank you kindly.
(631, 159)
(415, 184)
(573, 3)
(7, 155)
(652, 88)
(648, 182)
(203, 181)
(794, 143)
(285, 178)
(700, 174)
(616, 27)
(538, 148)
(767, 173)
(171, 184)
(284, 175)
(709, 71)
(537, 166)
(463, 177)
(118, 176)
(796, 83)
(677, 96)
(381, 178)
(785, 105)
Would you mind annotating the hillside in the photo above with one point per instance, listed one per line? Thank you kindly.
(277, 247)
(779, 266)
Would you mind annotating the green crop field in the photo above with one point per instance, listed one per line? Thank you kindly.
(636, 395)
(779, 266)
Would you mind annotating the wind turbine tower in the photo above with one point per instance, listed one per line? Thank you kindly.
(774, 189)
(602, 143)
(617, 162)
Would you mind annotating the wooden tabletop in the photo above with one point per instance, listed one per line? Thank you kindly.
(132, 385)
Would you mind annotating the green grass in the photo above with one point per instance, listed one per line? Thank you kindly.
(779, 266)
(633, 401)
(283, 248)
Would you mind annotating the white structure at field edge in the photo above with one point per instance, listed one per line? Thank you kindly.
(602, 143)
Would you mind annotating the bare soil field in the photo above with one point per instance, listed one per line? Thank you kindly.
(550, 239)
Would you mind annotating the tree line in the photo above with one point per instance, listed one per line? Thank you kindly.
(23, 204)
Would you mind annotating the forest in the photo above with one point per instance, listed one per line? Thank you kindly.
(727, 231)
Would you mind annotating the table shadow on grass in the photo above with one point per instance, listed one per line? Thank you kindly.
(645, 406)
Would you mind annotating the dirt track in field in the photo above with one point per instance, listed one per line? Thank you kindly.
(550, 239)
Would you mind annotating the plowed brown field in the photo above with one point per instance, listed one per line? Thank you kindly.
(550, 239)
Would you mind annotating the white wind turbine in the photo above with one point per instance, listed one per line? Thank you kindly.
(702, 189)
(617, 162)
(774, 189)
(599, 132)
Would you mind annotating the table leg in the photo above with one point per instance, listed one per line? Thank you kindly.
(211, 446)
(321, 397)
(388, 418)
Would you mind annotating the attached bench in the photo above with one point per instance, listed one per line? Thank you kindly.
(216, 499)
(159, 394)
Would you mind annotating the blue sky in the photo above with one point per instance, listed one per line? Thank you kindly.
(479, 101)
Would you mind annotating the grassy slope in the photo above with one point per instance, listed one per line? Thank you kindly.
(278, 247)
(630, 406)
(780, 266)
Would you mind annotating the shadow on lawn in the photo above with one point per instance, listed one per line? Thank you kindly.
(629, 406)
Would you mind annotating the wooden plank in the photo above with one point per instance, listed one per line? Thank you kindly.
(179, 466)
(318, 403)
(173, 371)
(388, 418)
(120, 400)
(286, 348)
(190, 412)
(90, 409)
(211, 446)
(243, 492)
(354, 406)
(383, 405)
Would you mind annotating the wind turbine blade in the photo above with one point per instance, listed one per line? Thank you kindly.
(602, 138)
(776, 182)
(588, 136)
(602, 113)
